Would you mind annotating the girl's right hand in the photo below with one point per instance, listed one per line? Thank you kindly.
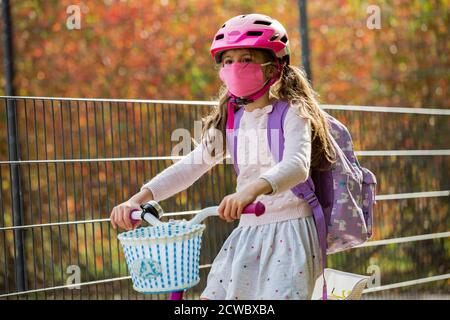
(120, 215)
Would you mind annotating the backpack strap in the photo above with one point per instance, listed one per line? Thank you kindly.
(275, 132)
(232, 136)
(304, 190)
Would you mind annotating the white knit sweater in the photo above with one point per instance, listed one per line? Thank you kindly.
(255, 161)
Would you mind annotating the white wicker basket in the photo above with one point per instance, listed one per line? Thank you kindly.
(163, 258)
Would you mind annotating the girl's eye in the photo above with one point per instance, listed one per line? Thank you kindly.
(228, 61)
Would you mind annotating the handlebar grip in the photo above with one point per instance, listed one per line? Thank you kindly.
(135, 216)
(257, 208)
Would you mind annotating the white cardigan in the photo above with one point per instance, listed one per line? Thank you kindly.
(255, 161)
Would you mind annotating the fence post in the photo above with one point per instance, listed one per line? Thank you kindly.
(13, 147)
(304, 38)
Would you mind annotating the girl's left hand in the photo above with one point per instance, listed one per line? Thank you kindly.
(232, 205)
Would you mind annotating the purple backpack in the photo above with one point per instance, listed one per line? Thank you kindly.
(341, 198)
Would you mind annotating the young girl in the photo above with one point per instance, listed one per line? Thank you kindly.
(276, 255)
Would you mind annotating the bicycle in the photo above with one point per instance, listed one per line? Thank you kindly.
(164, 258)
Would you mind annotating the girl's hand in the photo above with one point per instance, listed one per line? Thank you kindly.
(232, 205)
(120, 215)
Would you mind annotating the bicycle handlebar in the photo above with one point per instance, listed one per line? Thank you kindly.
(152, 212)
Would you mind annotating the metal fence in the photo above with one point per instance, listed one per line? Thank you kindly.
(64, 164)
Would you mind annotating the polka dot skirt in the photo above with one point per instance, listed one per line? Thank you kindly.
(267, 262)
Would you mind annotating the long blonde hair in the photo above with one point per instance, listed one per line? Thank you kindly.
(294, 88)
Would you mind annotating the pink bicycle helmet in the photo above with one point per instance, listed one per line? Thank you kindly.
(251, 31)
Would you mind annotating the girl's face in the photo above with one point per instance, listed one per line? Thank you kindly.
(245, 56)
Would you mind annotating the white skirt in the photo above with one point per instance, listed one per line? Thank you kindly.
(273, 261)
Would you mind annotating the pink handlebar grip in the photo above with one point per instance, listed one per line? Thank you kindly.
(257, 208)
(134, 221)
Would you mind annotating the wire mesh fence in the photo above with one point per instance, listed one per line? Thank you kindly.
(75, 159)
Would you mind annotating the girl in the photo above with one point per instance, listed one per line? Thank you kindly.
(276, 255)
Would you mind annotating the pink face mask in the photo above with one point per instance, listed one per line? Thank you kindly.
(243, 78)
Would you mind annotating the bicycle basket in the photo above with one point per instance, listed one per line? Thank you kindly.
(163, 258)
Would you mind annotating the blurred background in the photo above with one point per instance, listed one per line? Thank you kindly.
(95, 110)
(160, 49)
